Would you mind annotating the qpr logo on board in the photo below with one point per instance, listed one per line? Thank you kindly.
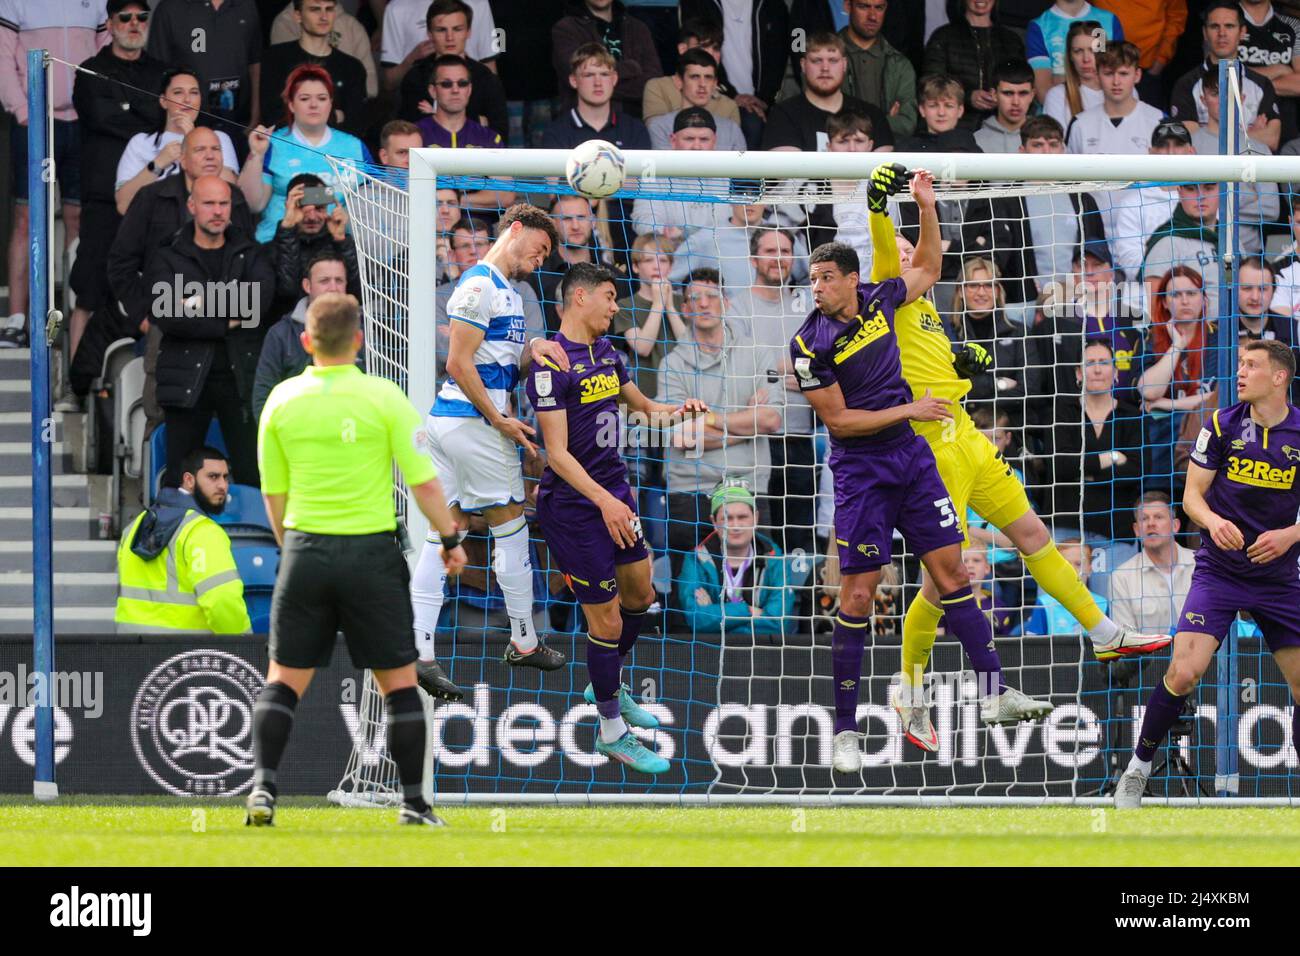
(192, 723)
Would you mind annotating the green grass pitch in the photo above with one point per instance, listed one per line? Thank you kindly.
(105, 831)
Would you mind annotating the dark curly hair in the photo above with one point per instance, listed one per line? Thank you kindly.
(531, 217)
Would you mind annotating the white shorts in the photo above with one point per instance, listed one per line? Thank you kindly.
(478, 467)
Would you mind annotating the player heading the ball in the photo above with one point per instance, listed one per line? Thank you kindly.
(474, 442)
(585, 504)
(974, 473)
(846, 361)
(1241, 488)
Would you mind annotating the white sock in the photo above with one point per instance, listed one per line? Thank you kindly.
(1104, 632)
(428, 585)
(514, 573)
(611, 728)
(1144, 766)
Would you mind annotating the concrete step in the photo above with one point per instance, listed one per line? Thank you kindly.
(15, 394)
(74, 589)
(69, 491)
(17, 426)
(68, 619)
(69, 523)
(69, 556)
(16, 458)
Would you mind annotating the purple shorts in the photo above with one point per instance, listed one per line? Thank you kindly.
(1216, 596)
(580, 544)
(894, 485)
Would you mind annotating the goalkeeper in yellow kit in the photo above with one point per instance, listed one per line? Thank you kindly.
(975, 474)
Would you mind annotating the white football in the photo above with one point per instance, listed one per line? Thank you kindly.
(595, 169)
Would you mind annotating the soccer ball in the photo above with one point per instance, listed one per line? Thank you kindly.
(595, 169)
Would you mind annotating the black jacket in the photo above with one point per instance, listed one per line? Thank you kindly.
(1108, 493)
(969, 55)
(488, 97)
(155, 213)
(110, 111)
(190, 343)
(291, 251)
(347, 72)
(904, 25)
(1006, 343)
(769, 39)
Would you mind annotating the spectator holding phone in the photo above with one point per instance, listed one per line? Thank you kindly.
(314, 223)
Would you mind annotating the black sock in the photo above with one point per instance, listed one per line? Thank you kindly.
(272, 721)
(406, 742)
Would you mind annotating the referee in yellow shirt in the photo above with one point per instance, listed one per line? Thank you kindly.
(326, 445)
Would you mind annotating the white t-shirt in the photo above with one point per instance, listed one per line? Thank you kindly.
(405, 28)
(1057, 106)
(143, 147)
(738, 44)
(1094, 132)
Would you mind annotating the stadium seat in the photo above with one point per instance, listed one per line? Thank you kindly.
(158, 455)
(244, 517)
(257, 564)
(101, 437)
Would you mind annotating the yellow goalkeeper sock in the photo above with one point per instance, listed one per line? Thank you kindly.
(919, 626)
(1055, 575)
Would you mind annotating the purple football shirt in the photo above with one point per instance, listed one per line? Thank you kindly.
(1254, 486)
(589, 392)
(861, 355)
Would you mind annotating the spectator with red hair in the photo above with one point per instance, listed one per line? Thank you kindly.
(1180, 368)
(300, 145)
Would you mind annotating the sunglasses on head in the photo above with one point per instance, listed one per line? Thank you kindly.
(450, 84)
(126, 16)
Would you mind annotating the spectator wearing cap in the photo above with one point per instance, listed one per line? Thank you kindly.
(316, 26)
(1130, 215)
(71, 33)
(878, 73)
(1013, 88)
(348, 36)
(693, 129)
(799, 123)
(113, 105)
(734, 582)
(1257, 203)
(306, 232)
(697, 82)
(738, 380)
(1121, 124)
(449, 125)
(1224, 30)
(229, 61)
(663, 94)
(625, 38)
(592, 75)
(968, 48)
(451, 25)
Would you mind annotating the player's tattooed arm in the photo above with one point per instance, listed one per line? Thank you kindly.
(843, 422)
(1223, 532)
(465, 340)
(619, 520)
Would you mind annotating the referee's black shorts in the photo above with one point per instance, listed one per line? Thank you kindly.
(359, 584)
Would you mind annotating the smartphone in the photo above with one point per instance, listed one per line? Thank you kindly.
(318, 196)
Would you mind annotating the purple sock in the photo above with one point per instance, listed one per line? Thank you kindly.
(972, 628)
(1162, 710)
(848, 642)
(604, 667)
(633, 621)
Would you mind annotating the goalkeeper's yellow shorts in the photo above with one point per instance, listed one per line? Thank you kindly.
(977, 476)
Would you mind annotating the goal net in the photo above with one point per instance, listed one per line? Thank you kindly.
(1077, 273)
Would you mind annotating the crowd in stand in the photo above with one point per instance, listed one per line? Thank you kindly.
(192, 147)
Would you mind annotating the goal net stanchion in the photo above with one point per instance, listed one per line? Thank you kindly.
(750, 717)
